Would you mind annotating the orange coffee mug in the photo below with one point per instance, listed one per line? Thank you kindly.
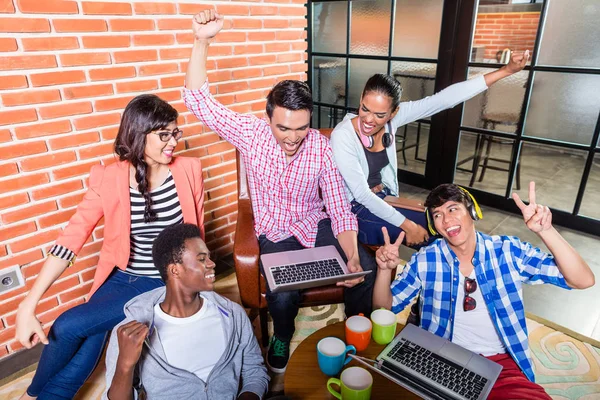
(358, 331)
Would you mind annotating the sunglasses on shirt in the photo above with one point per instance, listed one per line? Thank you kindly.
(165, 136)
(469, 303)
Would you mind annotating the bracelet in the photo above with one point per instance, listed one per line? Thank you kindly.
(71, 261)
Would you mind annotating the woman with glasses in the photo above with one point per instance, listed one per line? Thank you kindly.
(145, 191)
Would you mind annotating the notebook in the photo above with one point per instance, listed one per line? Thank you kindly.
(433, 367)
(307, 268)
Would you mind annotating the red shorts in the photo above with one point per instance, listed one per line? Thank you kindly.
(512, 384)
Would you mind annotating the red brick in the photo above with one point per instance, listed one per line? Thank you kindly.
(74, 140)
(17, 116)
(6, 6)
(3, 251)
(170, 54)
(8, 44)
(8, 169)
(112, 103)
(90, 249)
(214, 51)
(49, 43)
(261, 36)
(13, 200)
(23, 149)
(56, 219)
(165, 24)
(30, 97)
(70, 200)
(263, 10)
(233, 62)
(292, 11)
(57, 190)
(246, 73)
(79, 25)
(88, 275)
(5, 136)
(261, 60)
(249, 96)
(103, 74)
(109, 133)
(105, 42)
(34, 241)
(134, 56)
(99, 150)
(15, 231)
(192, 9)
(57, 78)
(77, 59)
(289, 58)
(47, 7)
(13, 82)
(61, 286)
(173, 81)
(153, 40)
(277, 47)
(299, 46)
(50, 160)
(128, 25)
(28, 212)
(26, 62)
(74, 170)
(219, 76)
(226, 9)
(76, 293)
(185, 38)
(247, 23)
(137, 86)
(298, 23)
(95, 121)
(155, 8)
(230, 36)
(225, 210)
(158, 69)
(276, 23)
(64, 110)
(298, 68)
(276, 70)
(78, 92)
(14, 25)
(42, 129)
(105, 8)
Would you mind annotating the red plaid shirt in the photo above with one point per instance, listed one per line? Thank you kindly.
(285, 195)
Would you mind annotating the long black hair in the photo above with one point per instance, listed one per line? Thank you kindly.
(144, 113)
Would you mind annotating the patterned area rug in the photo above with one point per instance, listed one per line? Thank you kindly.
(567, 368)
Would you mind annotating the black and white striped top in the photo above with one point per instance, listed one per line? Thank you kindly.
(168, 211)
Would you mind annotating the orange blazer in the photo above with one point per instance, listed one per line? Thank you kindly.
(108, 197)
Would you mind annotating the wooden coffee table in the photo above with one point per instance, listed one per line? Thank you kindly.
(304, 380)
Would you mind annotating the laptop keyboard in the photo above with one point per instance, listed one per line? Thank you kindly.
(308, 271)
(445, 372)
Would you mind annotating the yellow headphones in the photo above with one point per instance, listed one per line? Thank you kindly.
(472, 207)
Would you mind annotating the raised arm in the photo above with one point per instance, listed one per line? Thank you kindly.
(236, 128)
(458, 93)
(571, 265)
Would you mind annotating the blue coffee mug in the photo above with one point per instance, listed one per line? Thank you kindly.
(331, 353)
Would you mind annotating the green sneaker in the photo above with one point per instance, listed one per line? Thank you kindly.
(278, 355)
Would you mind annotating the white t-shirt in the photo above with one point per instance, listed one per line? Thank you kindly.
(195, 343)
(474, 330)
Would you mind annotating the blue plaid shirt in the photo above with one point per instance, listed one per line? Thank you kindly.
(502, 265)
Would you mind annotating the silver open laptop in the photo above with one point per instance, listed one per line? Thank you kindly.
(433, 367)
(303, 269)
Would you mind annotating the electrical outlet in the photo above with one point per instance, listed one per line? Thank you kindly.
(11, 279)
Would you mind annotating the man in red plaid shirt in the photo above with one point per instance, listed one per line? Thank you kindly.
(286, 164)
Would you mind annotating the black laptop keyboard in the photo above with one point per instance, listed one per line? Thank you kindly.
(445, 372)
(307, 271)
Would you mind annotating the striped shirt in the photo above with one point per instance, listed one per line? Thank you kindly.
(502, 265)
(285, 195)
(168, 211)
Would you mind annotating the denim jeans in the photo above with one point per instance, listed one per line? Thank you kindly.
(369, 225)
(77, 337)
(283, 306)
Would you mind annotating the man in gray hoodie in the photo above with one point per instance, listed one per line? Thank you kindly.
(184, 341)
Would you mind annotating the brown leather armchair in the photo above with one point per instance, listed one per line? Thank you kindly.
(251, 283)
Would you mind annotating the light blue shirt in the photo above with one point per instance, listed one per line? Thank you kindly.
(502, 265)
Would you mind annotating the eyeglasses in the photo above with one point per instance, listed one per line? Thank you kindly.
(165, 136)
(469, 303)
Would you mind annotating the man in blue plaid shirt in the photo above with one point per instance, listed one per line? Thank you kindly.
(471, 283)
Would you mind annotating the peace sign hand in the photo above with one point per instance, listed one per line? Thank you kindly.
(537, 217)
(387, 256)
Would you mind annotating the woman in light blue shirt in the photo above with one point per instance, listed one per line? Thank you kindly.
(365, 149)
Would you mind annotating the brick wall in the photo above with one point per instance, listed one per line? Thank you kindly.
(514, 30)
(68, 68)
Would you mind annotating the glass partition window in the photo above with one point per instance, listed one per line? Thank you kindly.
(417, 28)
(590, 206)
(370, 27)
(329, 26)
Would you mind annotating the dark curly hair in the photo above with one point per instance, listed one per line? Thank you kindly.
(144, 113)
(169, 246)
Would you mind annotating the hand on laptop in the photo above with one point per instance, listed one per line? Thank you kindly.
(388, 255)
(353, 265)
(131, 338)
(538, 218)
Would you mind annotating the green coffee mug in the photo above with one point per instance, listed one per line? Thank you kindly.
(355, 384)
(384, 326)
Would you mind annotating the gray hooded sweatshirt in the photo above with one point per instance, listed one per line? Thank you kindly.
(240, 369)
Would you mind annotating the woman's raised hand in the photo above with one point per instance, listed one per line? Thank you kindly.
(206, 24)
